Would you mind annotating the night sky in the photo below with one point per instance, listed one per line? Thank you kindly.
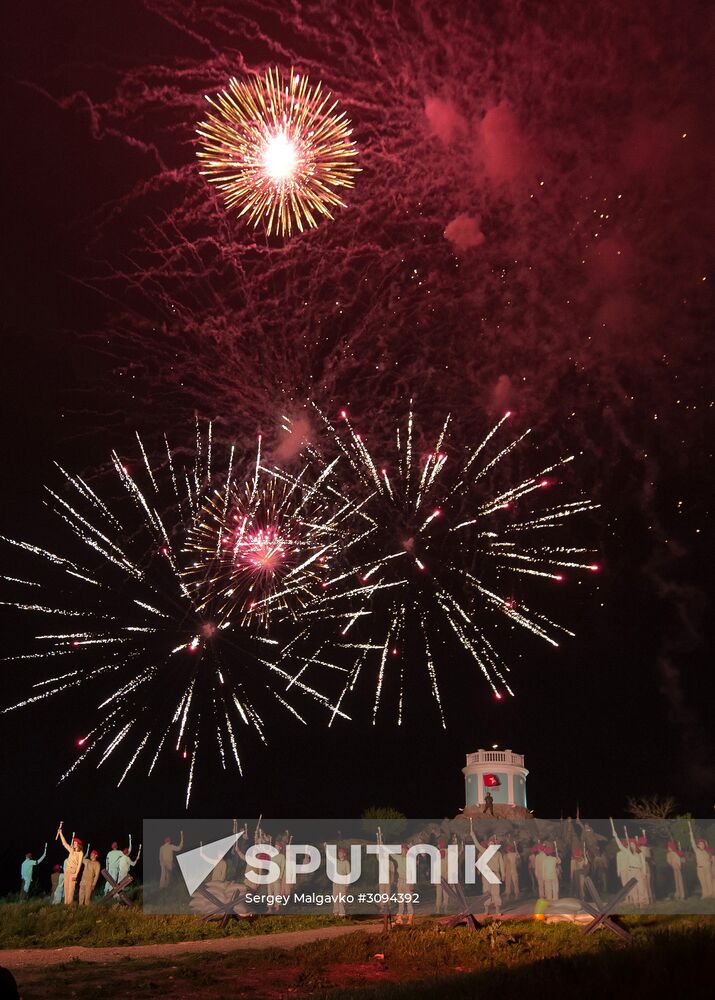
(531, 229)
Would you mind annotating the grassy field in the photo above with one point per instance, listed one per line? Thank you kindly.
(507, 961)
(36, 925)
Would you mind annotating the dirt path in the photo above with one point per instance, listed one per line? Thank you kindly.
(21, 958)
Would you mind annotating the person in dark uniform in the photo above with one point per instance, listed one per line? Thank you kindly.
(488, 804)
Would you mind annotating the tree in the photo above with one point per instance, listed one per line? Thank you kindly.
(391, 821)
(651, 806)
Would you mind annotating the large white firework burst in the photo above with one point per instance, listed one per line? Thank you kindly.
(445, 536)
(175, 668)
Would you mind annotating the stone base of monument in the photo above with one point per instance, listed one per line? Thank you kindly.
(500, 812)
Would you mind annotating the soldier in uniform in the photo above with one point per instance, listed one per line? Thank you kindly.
(633, 865)
(280, 887)
(220, 869)
(674, 857)
(496, 863)
(90, 877)
(579, 871)
(600, 870)
(54, 881)
(440, 899)
(166, 859)
(511, 868)
(404, 888)
(645, 850)
(342, 867)
(703, 863)
(539, 856)
(73, 864)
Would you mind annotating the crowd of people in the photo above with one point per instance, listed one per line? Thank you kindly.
(548, 875)
(81, 870)
(539, 869)
(520, 871)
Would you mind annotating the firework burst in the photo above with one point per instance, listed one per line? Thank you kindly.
(444, 541)
(278, 150)
(266, 547)
(176, 668)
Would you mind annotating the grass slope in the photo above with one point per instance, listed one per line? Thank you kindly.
(515, 960)
(36, 925)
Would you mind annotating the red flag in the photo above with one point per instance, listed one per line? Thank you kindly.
(491, 780)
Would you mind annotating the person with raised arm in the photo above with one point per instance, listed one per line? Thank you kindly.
(405, 890)
(126, 864)
(703, 863)
(166, 859)
(539, 855)
(73, 864)
(511, 868)
(252, 870)
(579, 870)
(674, 857)
(633, 865)
(220, 865)
(496, 863)
(280, 887)
(550, 867)
(440, 894)
(647, 853)
(27, 871)
(112, 863)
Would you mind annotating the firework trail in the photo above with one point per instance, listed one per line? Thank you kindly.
(277, 150)
(445, 541)
(175, 668)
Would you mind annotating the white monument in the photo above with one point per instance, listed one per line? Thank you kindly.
(502, 774)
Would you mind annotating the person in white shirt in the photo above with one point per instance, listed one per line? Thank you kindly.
(550, 873)
(674, 857)
(126, 863)
(166, 859)
(112, 863)
(703, 863)
(539, 869)
(59, 894)
(633, 865)
(27, 870)
(648, 856)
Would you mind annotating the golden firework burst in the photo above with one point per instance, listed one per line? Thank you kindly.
(278, 150)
